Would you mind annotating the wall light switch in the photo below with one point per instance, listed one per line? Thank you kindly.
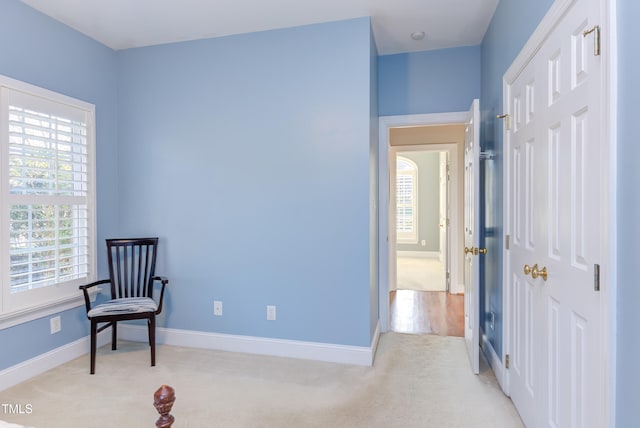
(217, 308)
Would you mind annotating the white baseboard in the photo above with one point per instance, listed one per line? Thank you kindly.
(27, 369)
(419, 254)
(496, 364)
(356, 355)
(457, 289)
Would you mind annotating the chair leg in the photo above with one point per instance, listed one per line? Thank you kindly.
(152, 339)
(94, 333)
(114, 335)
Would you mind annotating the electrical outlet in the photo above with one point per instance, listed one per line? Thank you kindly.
(217, 308)
(424, 242)
(55, 324)
(271, 313)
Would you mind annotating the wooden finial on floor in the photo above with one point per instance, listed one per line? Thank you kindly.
(163, 400)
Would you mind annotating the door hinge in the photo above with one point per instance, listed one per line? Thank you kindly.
(507, 241)
(596, 38)
(506, 361)
(596, 277)
(487, 155)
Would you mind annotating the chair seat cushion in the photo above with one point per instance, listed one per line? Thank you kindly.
(127, 305)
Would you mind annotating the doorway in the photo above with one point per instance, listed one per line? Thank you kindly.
(422, 212)
(439, 124)
(425, 296)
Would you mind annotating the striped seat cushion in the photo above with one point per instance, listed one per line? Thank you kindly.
(127, 305)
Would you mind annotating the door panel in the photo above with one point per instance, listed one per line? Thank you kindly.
(524, 378)
(554, 216)
(472, 236)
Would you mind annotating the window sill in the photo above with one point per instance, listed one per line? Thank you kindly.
(407, 242)
(25, 315)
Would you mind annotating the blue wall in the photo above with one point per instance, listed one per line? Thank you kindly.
(247, 155)
(250, 156)
(628, 177)
(513, 23)
(40, 51)
(445, 80)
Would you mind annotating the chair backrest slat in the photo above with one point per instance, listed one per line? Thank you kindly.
(125, 260)
(139, 272)
(118, 274)
(132, 266)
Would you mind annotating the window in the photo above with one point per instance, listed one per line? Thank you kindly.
(406, 201)
(47, 205)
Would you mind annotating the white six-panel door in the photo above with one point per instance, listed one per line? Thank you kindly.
(472, 236)
(553, 210)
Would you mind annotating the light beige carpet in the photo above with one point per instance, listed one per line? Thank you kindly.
(421, 274)
(416, 381)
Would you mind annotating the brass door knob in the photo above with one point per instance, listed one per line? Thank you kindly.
(526, 269)
(475, 250)
(536, 272)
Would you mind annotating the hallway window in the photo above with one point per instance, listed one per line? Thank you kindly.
(406, 201)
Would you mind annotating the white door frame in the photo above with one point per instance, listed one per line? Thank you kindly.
(384, 238)
(444, 170)
(608, 134)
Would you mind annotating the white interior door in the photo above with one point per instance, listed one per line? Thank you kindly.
(525, 209)
(472, 236)
(554, 218)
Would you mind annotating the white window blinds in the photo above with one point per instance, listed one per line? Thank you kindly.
(47, 201)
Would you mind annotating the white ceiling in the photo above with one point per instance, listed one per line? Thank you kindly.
(122, 24)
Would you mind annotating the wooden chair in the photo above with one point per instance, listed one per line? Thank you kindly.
(132, 264)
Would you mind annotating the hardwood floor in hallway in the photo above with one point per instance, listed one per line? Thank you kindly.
(427, 312)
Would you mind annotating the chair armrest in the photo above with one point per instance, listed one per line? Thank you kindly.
(164, 280)
(93, 284)
(85, 291)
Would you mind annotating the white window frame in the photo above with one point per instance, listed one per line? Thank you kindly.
(17, 308)
(412, 236)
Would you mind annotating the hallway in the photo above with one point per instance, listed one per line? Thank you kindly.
(427, 312)
(421, 304)
(421, 274)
